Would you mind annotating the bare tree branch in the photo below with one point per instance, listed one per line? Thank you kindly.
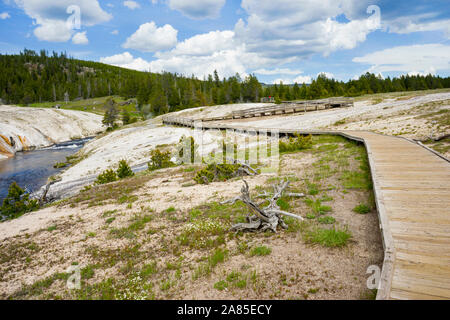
(267, 218)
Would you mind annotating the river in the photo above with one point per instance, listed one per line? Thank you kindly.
(31, 169)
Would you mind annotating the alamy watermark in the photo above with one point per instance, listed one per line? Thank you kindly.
(73, 22)
(373, 281)
(249, 146)
(74, 280)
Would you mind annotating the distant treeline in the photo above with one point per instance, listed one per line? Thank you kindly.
(31, 77)
(368, 83)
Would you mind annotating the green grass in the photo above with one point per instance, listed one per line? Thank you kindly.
(283, 204)
(260, 251)
(149, 269)
(138, 223)
(326, 220)
(328, 237)
(313, 188)
(317, 207)
(219, 255)
(221, 285)
(361, 209)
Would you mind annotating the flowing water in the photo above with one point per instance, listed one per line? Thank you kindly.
(30, 169)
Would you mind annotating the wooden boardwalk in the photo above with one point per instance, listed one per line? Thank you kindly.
(412, 193)
(412, 188)
(286, 107)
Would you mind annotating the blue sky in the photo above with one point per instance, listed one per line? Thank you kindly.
(286, 40)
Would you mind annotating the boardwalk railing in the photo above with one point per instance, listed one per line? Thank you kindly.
(283, 108)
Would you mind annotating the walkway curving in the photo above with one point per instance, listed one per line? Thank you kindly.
(412, 192)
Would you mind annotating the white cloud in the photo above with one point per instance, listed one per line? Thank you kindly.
(150, 38)
(277, 71)
(51, 16)
(4, 15)
(53, 31)
(80, 38)
(202, 54)
(418, 23)
(126, 60)
(298, 29)
(299, 80)
(203, 44)
(302, 79)
(197, 9)
(115, 32)
(132, 5)
(419, 59)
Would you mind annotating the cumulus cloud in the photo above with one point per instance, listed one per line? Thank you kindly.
(4, 15)
(298, 29)
(80, 38)
(150, 38)
(202, 54)
(51, 16)
(203, 44)
(418, 59)
(126, 60)
(53, 31)
(198, 9)
(131, 5)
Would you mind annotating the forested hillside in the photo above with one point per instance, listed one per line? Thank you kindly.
(30, 77)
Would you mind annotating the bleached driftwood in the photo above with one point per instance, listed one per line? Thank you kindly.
(43, 199)
(265, 218)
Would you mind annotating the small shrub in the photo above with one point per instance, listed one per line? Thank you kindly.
(361, 209)
(17, 202)
(159, 160)
(124, 170)
(296, 143)
(216, 172)
(106, 176)
(59, 165)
